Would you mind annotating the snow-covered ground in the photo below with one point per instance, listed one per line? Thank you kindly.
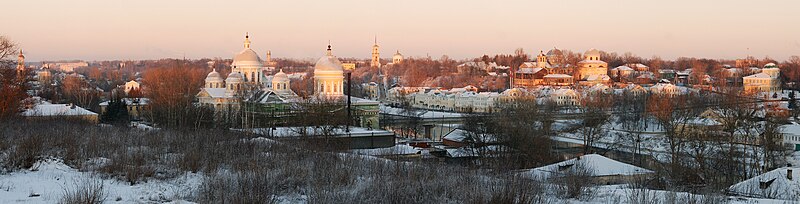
(48, 180)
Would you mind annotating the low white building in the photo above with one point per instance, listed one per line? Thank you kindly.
(565, 97)
(60, 111)
(791, 136)
(781, 183)
(667, 89)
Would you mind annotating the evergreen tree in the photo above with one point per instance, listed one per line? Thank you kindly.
(116, 112)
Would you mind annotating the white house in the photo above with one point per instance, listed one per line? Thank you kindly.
(565, 97)
(781, 183)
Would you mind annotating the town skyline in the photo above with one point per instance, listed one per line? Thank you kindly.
(96, 30)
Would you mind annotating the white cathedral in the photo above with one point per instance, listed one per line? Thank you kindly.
(248, 82)
(247, 73)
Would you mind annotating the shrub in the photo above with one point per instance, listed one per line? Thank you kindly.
(89, 191)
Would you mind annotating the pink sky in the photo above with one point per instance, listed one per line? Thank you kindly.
(153, 29)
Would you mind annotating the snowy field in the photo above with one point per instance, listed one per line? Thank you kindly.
(48, 180)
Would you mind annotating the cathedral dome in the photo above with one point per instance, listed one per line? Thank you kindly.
(247, 57)
(592, 52)
(234, 77)
(214, 76)
(328, 63)
(554, 52)
(280, 77)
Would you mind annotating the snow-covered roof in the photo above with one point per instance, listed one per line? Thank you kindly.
(598, 77)
(56, 110)
(664, 71)
(792, 129)
(457, 135)
(777, 184)
(599, 166)
(702, 121)
(557, 76)
(622, 68)
(215, 92)
(563, 92)
(460, 135)
(638, 65)
(759, 76)
(529, 70)
(399, 149)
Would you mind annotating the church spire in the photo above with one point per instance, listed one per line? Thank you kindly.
(329, 53)
(247, 40)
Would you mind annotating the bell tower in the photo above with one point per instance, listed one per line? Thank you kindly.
(20, 64)
(376, 55)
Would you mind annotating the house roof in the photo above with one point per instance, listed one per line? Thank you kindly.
(597, 164)
(460, 135)
(622, 68)
(773, 184)
(759, 76)
(56, 110)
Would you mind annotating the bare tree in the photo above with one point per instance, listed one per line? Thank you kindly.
(594, 115)
(12, 87)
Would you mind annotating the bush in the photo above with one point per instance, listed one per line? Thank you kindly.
(89, 191)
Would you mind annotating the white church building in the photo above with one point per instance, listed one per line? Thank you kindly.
(247, 73)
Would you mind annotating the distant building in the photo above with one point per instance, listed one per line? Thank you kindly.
(592, 69)
(21, 70)
(548, 69)
(376, 55)
(132, 85)
(66, 66)
(565, 97)
(766, 81)
(349, 66)
(621, 72)
(136, 107)
(466, 99)
(371, 90)
(225, 94)
(397, 58)
(268, 62)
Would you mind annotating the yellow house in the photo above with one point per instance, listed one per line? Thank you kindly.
(766, 81)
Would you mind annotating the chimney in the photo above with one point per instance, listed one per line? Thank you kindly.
(71, 106)
(789, 174)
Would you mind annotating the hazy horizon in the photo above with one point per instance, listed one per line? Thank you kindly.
(110, 30)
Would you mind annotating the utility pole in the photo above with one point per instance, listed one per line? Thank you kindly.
(349, 116)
